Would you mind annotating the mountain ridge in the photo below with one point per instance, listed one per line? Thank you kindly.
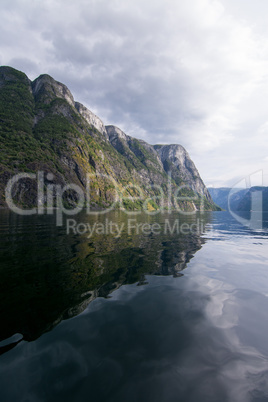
(42, 127)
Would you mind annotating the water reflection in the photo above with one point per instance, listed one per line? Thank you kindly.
(200, 337)
(47, 276)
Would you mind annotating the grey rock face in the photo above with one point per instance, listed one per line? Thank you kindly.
(77, 143)
(46, 88)
(114, 133)
(143, 155)
(177, 161)
(173, 159)
(91, 118)
(117, 137)
(164, 158)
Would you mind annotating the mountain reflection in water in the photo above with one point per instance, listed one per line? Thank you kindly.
(202, 336)
(47, 276)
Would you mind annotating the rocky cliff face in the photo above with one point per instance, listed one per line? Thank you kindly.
(91, 118)
(177, 160)
(45, 89)
(43, 128)
(141, 149)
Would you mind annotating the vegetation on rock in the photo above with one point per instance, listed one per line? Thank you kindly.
(41, 129)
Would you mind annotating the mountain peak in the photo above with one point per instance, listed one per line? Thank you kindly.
(46, 89)
(10, 74)
(115, 132)
(52, 133)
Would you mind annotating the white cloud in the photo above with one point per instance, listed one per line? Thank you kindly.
(191, 72)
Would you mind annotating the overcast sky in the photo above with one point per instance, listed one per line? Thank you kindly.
(189, 72)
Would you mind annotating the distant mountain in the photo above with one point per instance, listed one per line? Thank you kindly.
(240, 200)
(222, 195)
(42, 128)
(245, 203)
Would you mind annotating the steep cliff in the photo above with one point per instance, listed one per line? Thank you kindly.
(42, 128)
(176, 160)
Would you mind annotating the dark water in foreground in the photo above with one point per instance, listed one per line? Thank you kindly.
(142, 317)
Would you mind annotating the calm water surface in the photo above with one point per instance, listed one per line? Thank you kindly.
(142, 317)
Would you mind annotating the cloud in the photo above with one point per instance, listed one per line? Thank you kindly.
(193, 73)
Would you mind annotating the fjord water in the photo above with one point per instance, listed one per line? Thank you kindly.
(140, 317)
